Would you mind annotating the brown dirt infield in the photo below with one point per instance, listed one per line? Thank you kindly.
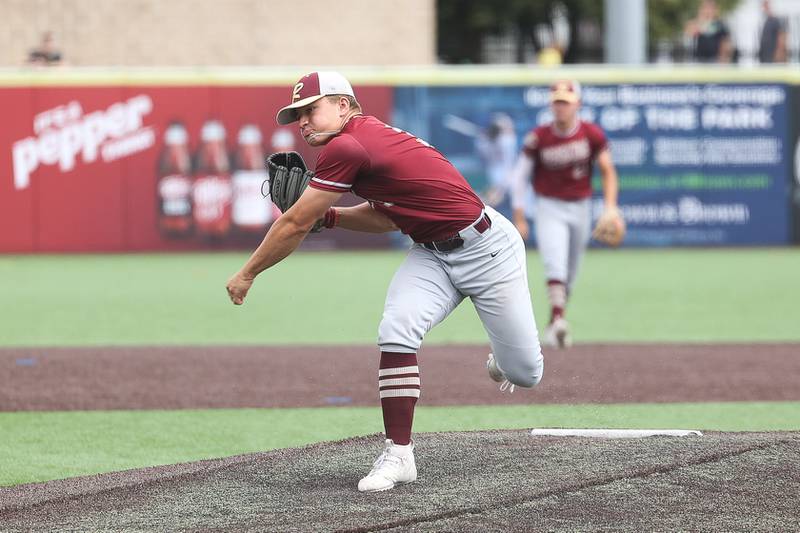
(233, 377)
(491, 481)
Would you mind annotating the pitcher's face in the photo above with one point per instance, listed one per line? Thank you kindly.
(317, 119)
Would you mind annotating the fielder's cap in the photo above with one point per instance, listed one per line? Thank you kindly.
(565, 91)
(311, 88)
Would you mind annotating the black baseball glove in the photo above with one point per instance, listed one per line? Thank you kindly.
(288, 178)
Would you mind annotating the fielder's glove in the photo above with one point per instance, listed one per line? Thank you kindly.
(288, 178)
(610, 227)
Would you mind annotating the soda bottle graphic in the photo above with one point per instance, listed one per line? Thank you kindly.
(283, 140)
(174, 185)
(212, 189)
(251, 211)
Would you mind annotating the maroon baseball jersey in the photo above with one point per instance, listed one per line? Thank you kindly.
(563, 163)
(401, 176)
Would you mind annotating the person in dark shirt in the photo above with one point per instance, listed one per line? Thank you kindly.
(46, 53)
(712, 39)
(772, 44)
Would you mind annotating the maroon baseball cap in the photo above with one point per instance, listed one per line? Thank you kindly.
(311, 88)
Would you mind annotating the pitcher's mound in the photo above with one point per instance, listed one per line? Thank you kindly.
(468, 481)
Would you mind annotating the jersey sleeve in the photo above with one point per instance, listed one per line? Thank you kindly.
(530, 144)
(339, 164)
(520, 180)
(597, 139)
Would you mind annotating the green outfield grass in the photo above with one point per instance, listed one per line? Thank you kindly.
(676, 295)
(679, 295)
(44, 446)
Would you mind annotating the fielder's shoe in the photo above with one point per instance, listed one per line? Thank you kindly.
(497, 375)
(395, 465)
(556, 334)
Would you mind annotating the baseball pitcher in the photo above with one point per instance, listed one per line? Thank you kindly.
(461, 248)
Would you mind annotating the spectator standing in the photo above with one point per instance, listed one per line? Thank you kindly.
(46, 54)
(710, 35)
(772, 44)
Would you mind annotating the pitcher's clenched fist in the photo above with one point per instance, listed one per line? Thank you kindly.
(238, 286)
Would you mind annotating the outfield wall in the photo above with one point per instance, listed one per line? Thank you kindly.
(705, 156)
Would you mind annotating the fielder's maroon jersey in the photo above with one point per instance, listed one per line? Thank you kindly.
(563, 163)
(401, 176)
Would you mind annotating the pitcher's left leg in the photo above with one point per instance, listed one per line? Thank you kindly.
(507, 316)
(502, 299)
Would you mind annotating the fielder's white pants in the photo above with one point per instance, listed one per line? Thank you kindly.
(490, 269)
(563, 229)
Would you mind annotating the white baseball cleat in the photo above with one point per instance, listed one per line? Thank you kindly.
(494, 372)
(557, 335)
(395, 465)
(549, 336)
(497, 375)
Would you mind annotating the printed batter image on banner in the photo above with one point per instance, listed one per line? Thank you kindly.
(478, 129)
(698, 164)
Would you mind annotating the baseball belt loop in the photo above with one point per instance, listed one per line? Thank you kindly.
(484, 218)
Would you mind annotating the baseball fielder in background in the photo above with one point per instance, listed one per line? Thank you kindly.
(558, 158)
(461, 249)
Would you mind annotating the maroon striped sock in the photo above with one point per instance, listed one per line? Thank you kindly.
(557, 294)
(398, 383)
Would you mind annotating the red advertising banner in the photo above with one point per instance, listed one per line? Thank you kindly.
(143, 168)
(18, 221)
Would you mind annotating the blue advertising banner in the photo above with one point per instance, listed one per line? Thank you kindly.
(699, 164)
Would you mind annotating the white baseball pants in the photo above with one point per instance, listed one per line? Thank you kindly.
(563, 229)
(490, 269)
